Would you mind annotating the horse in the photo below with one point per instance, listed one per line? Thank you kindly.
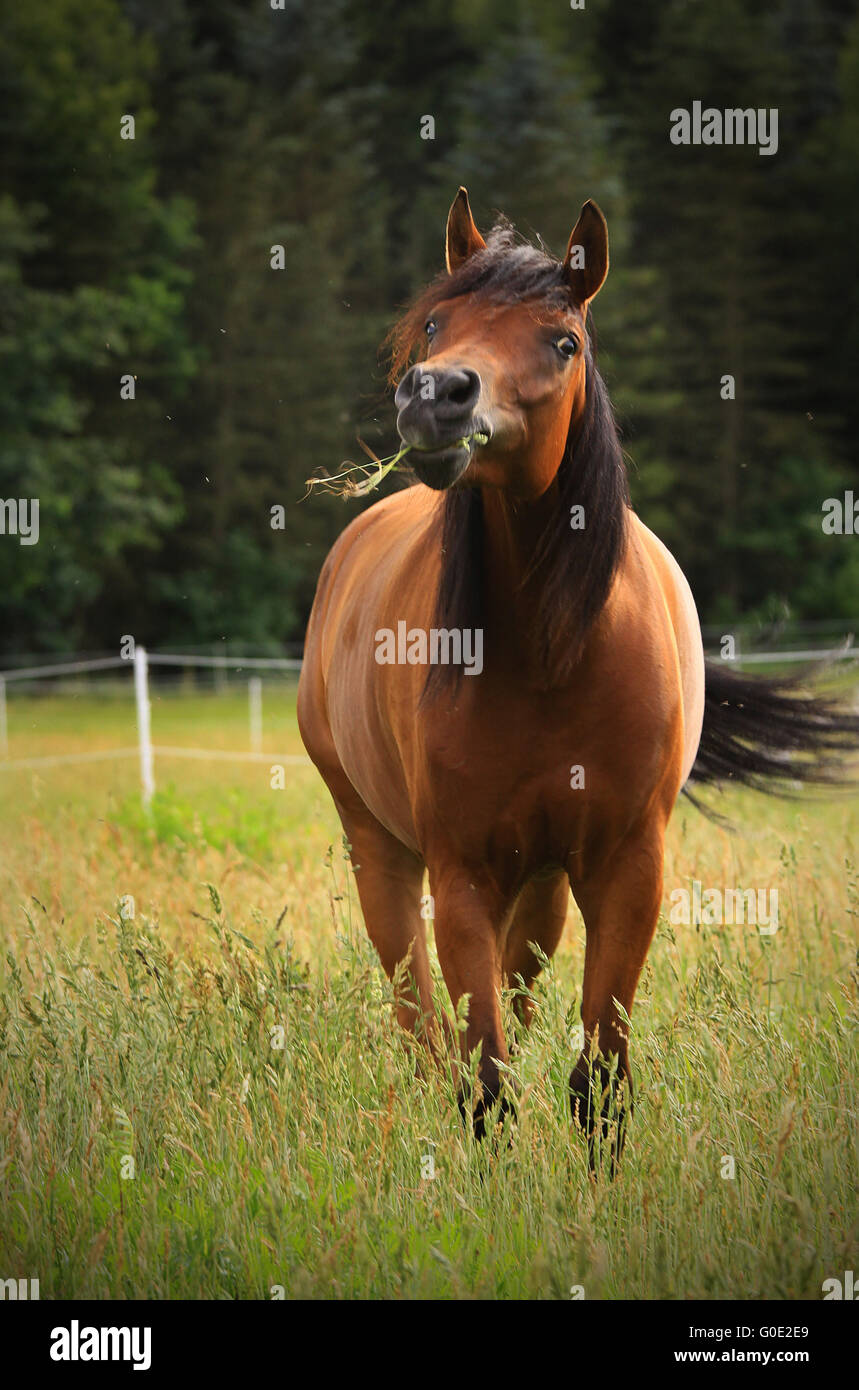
(555, 762)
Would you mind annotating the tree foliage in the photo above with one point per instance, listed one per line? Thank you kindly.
(303, 128)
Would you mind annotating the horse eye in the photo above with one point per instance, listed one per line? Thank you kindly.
(567, 346)
(430, 328)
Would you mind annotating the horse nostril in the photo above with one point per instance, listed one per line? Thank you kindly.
(447, 392)
(460, 388)
(408, 388)
(461, 395)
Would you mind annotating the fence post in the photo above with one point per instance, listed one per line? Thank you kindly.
(144, 734)
(4, 727)
(255, 712)
(219, 649)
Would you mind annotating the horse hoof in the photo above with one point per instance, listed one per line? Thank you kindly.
(601, 1106)
(486, 1114)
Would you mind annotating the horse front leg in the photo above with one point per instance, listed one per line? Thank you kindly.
(389, 877)
(620, 904)
(469, 930)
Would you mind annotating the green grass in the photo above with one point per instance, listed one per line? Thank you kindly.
(300, 1166)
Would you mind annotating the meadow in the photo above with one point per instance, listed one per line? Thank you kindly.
(204, 1094)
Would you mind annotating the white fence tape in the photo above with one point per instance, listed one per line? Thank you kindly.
(161, 751)
(286, 759)
(274, 663)
(65, 668)
(146, 750)
(97, 755)
(763, 658)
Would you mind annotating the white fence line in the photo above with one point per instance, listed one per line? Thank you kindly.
(161, 751)
(96, 755)
(289, 663)
(145, 749)
(64, 668)
(275, 663)
(226, 755)
(754, 658)
(104, 663)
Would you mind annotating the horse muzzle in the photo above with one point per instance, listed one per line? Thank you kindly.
(437, 421)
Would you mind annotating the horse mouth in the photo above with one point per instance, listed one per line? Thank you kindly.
(440, 466)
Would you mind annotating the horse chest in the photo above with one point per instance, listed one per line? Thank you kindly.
(516, 788)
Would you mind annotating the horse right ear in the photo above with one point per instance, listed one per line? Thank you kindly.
(462, 238)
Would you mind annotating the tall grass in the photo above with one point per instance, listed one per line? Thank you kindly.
(300, 1159)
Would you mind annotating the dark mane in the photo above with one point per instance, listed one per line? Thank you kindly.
(575, 568)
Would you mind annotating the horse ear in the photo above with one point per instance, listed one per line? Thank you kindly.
(462, 237)
(586, 261)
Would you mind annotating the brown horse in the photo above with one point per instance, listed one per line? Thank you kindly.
(551, 756)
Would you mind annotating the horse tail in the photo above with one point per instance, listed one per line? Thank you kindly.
(771, 733)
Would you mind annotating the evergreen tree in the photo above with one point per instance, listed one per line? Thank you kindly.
(91, 291)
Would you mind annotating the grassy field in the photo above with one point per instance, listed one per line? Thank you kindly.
(209, 1099)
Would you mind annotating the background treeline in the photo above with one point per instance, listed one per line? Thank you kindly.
(301, 127)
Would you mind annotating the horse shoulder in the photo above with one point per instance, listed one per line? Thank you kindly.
(349, 705)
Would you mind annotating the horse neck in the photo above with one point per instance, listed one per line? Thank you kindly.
(512, 581)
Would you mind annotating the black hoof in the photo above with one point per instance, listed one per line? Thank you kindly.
(488, 1111)
(601, 1106)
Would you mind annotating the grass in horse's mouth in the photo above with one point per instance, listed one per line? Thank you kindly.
(356, 480)
(454, 444)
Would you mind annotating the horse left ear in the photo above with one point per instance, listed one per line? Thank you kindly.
(462, 238)
(586, 261)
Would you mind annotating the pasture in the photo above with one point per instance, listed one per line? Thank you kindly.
(210, 1099)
